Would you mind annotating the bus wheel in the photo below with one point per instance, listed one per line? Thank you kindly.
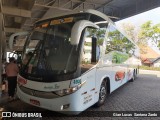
(133, 77)
(102, 94)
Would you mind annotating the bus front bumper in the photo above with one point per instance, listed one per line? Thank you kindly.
(69, 104)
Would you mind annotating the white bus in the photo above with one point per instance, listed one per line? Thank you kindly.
(54, 73)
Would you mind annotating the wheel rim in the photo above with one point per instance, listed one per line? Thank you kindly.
(103, 93)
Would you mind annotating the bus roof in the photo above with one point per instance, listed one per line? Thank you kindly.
(91, 11)
(94, 12)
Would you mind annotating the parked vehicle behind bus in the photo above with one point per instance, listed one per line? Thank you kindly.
(75, 61)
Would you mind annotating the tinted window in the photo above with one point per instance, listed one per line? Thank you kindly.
(119, 47)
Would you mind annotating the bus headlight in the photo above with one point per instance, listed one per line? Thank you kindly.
(69, 90)
(66, 91)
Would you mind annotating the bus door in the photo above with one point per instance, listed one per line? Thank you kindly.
(88, 69)
(89, 89)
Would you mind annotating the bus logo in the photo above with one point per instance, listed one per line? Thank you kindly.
(119, 75)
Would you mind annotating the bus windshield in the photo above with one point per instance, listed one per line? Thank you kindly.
(49, 52)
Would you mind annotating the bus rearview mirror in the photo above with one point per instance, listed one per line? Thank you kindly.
(78, 28)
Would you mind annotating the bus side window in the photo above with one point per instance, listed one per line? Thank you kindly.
(119, 45)
(91, 49)
(86, 52)
(114, 59)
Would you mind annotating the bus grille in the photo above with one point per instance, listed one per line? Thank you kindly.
(40, 94)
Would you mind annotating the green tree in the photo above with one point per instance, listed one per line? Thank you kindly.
(155, 34)
(159, 44)
(118, 42)
(145, 33)
(149, 32)
(99, 33)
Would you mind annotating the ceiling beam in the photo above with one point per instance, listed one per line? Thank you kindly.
(92, 2)
(66, 4)
(104, 4)
(16, 11)
(25, 4)
(12, 30)
(51, 2)
(52, 7)
(78, 5)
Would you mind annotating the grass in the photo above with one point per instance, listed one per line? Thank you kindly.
(149, 68)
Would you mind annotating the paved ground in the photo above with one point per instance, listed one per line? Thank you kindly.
(141, 95)
(150, 72)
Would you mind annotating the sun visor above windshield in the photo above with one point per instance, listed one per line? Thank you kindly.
(61, 21)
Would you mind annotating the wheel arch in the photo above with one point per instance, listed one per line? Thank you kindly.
(105, 79)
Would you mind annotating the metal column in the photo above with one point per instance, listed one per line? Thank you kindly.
(0, 51)
(1, 29)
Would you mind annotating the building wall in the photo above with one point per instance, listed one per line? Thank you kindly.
(157, 64)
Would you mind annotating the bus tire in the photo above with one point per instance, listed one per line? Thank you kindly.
(102, 94)
(133, 77)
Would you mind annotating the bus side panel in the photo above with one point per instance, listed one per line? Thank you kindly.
(101, 73)
(110, 72)
(88, 89)
(121, 74)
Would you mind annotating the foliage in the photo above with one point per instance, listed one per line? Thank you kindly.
(146, 32)
(159, 44)
(118, 42)
(149, 31)
(119, 57)
(99, 33)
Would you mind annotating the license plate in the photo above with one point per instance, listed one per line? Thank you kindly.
(35, 102)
